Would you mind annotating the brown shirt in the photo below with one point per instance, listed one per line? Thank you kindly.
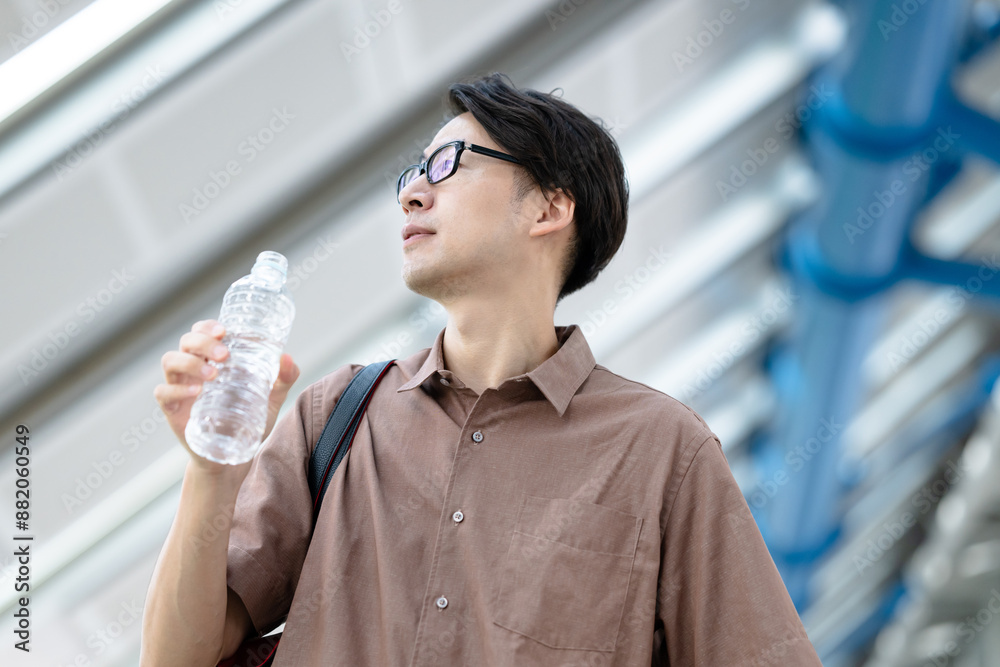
(568, 517)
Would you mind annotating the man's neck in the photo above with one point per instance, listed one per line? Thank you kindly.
(486, 344)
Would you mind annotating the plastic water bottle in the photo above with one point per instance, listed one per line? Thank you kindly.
(228, 417)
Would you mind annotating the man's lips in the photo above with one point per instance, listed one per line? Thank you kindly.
(411, 232)
(416, 237)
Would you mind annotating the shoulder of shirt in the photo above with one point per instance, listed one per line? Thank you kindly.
(323, 393)
(316, 400)
(661, 404)
(337, 379)
(327, 389)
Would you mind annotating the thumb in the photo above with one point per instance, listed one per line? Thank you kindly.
(288, 373)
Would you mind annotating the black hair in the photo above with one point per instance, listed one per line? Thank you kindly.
(559, 147)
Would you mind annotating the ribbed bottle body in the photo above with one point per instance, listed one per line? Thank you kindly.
(228, 418)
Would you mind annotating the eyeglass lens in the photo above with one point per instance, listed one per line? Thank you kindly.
(441, 164)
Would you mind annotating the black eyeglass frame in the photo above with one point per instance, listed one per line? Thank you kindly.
(462, 146)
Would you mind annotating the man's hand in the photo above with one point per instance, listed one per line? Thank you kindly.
(187, 369)
(191, 617)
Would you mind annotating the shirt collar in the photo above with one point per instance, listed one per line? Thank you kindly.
(558, 377)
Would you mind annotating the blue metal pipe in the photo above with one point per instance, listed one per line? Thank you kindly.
(892, 89)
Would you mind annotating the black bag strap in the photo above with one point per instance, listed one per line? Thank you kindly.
(341, 427)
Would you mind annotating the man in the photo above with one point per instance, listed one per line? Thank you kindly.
(507, 501)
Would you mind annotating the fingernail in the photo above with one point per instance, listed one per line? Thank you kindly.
(207, 371)
(219, 351)
(218, 329)
(194, 388)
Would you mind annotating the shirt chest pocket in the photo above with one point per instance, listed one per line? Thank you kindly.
(566, 574)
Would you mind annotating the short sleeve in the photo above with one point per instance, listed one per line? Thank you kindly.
(272, 520)
(720, 598)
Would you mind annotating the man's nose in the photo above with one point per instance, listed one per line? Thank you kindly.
(416, 194)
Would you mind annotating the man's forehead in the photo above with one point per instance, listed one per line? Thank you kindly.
(462, 127)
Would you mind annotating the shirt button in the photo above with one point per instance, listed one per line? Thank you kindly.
(477, 436)
(441, 602)
(444, 381)
(458, 516)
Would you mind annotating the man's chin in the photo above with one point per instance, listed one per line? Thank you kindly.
(435, 285)
(417, 280)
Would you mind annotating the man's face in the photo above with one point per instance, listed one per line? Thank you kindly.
(476, 242)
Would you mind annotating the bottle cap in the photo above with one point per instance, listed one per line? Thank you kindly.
(272, 259)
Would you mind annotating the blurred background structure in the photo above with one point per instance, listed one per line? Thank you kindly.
(811, 264)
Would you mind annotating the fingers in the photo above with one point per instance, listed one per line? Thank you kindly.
(210, 327)
(183, 368)
(200, 345)
(203, 340)
(186, 370)
(288, 372)
(203, 345)
(171, 396)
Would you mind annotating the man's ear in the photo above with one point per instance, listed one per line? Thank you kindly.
(555, 214)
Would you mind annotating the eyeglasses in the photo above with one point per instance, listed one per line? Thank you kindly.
(443, 163)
